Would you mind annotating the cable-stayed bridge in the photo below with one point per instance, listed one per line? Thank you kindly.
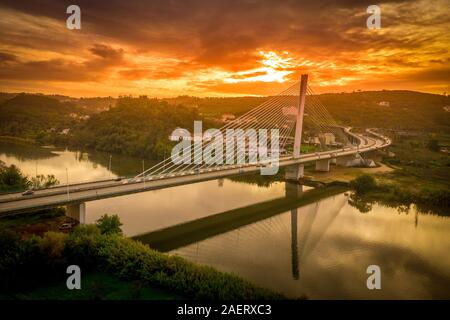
(301, 131)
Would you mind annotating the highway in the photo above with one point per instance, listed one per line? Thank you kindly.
(14, 203)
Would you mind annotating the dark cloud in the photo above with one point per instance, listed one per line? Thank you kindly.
(94, 69)
(432, 75)
(7, 57)
(213, 34)
(106, 52)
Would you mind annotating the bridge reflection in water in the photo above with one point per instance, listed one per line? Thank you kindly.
(264, 239)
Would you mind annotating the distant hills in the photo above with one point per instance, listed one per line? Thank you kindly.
(36, 116)
(407, 110)
(46, 118)
(27, 115)
(134, 126)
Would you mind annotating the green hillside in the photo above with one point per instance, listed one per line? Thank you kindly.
(32, 116)
(135, 126)
(407, 109)
(140, 126)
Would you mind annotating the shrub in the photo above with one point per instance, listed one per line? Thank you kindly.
(81, 246)
(363, 184)
(11, 178)
(109, 224)
(52, 244)
(88, 248)
(9, 258)
(133, 260)
(21, 261)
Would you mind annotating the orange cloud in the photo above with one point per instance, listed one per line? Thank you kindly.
(200, 47)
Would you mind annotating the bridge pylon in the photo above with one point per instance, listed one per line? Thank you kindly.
(300, 114)
(294, 173)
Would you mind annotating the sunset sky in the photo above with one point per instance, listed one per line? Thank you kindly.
(222, 48)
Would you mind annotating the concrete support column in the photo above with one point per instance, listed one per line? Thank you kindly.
(323, 165)
(77, 212)
(294, 172)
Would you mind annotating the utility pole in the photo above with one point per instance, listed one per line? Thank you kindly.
(67, 177)
(164, 166)
(110, 156)
(36, 182)
(143, 170)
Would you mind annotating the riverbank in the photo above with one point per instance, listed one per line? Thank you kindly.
(411, 171)
(38, 223)
(369, 191)
(18, 140)
(346, 174)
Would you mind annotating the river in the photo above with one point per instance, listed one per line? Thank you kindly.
(318, 250)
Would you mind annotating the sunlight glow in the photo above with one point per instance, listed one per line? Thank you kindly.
(273, 70)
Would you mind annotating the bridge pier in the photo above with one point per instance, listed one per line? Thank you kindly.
(323, 165)
(295, 172)
(77, 212)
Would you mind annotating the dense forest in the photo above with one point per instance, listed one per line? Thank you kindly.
(140, 126)
(135, 126)
(33, 116)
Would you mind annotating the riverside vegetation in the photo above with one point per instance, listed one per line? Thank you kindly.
(420, 175)
(35, 268)
(140, 126)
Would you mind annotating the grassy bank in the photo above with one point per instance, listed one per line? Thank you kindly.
(417, 164)
(37, 222)
(17, 140)
(98, 285)
(368, 190)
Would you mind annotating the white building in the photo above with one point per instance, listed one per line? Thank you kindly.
(228, 117)
(328, 138)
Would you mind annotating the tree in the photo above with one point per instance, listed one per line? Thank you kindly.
(11, 178)
(109, 224)
(363, 184)
(41, 181)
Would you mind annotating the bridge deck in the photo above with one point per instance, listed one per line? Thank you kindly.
(14, 203)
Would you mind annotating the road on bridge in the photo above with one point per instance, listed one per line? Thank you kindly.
(14, 203)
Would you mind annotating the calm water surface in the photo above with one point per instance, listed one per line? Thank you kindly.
(322, 250)
(319, 251)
